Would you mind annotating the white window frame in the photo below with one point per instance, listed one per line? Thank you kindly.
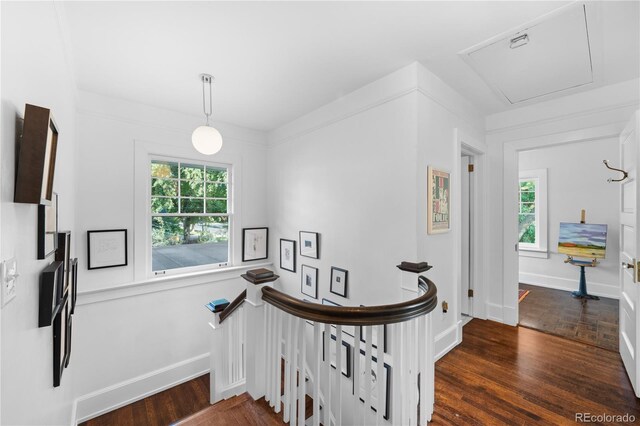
(541, 248)
(145, 152)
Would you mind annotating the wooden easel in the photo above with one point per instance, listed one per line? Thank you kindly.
(582, 289)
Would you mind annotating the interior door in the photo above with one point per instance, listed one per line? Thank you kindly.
(465, 211)
(629, 254)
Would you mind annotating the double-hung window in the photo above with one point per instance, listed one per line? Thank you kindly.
(190, 216)
(532, 211)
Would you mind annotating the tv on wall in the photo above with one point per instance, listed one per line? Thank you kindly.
(583, 240)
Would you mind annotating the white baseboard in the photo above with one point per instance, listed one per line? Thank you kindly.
(494, 312)
(112, 397)
(447, 340)
(509, 315)
(548, 281)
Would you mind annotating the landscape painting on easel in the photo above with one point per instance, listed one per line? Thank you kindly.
(583, 240)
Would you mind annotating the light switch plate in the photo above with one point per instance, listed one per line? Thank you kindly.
(9, 279)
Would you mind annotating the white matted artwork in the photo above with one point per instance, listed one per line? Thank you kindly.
(309, 244)
(107, 248)
(375, 383)
(288, 255)
(255, 244)
(339, 279)
(309, 281)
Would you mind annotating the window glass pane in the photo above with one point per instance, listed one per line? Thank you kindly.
(192, 205)
(191, 172)
(527, 208)
(216, 175)
(179, 242)
(527, 197)
(164, 169)
(190, 188)
(164, 205)
(216, 206)
(216, 190)
(527, 185)
(164, 187)
(527, 228)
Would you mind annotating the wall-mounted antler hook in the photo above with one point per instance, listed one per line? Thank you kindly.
(625, 174)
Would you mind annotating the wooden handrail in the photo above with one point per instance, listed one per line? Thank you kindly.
(356, 315)
(233, 306)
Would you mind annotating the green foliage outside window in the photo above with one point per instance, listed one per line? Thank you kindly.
(527, 212)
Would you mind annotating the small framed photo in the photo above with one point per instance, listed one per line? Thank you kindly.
(339, 281)
(374, 339)
(60, 349)
(345, 353)
(63, 254)
(438, 201)
(288, 255)
(107, 248)
(309, 284)
(51, 283)
(375, 383)
(48, 227)
(309, 244)
(74, 284)
(255, 244)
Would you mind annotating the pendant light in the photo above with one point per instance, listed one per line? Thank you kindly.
(206, 139)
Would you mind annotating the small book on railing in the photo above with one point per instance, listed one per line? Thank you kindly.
(217, 305)
(260, 274)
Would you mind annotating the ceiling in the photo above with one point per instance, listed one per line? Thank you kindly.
(276, 61)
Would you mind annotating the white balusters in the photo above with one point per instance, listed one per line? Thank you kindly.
(317, 362)
(338, 373)
(327, 374)
(356, 376)
(381, 394)
(302, 384)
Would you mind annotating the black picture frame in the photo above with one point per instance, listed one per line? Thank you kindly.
(50, 293)
(110, 249)
(63, 253)
(289, 245)
(337, 276)
(309, 244)
(254, 243)
(74, 284)
(60, 354)
(384, 338)
(67, 337)
(48, 228)
(387, 369)
(310, 284)
(347, 347)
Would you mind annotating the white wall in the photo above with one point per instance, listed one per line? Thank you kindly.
(34, 70)
(577, 179)
(135, 336)
(596, 114)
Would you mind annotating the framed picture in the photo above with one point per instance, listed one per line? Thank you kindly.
(345, 353)
(67, 337)
(48, 227)
(59, 342)
(438, 201)
(376, 382)
(74, 284)
(106, 248)
(51, 282)
(288, 255)
(309, 244)
(339, 281)
(374, 340)
(309, 281)
(255, 244)
(63, 254)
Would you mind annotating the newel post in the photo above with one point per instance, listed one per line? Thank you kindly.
(408, 279)
(255, 338)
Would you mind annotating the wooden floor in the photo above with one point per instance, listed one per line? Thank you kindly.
(498, 375)
(518, 376)
(556, 312)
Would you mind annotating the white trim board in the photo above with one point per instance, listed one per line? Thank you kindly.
(447, 340)
(120, 394)
(566, 284)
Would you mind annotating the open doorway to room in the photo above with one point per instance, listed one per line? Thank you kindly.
(555, 184)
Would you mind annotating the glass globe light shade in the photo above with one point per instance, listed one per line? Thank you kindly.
(206, 140)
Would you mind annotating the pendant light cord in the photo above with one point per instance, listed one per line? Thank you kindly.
(204, 102)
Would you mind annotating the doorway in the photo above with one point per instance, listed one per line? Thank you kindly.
(466, 234)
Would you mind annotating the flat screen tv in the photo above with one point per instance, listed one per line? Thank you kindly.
(583, 240)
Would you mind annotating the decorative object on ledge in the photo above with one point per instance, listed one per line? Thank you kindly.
(309, 281)
(106, 248)
(624, 174)
(339, 278)
(50, 293)
(36, 157)
(63, 254)
(48, 227)
(309, 244)
(74, 284)
(414, 267)
(287, 255)
(255, 244)
(260, 276)
(438, 201)
(60, 349)
(217, 305)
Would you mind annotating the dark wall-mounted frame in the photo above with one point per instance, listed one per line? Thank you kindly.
(63, 254)
(48, 227)
(60, 352)
(50, 293)
(385, 382)
(106, 248)
(347, 348)
(309, 281)
(339, 281)
(287, 255)
(74, 284)
(255, 244)
(310, 244)
(36, 157)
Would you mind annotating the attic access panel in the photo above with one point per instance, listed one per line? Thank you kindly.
(547, 57)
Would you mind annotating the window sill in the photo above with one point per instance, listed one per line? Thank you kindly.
(164, 283)
(541, 254)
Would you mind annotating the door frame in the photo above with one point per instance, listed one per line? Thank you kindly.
(510, 176)
(468, 145)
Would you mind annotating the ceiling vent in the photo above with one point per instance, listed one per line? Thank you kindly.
(550, 55)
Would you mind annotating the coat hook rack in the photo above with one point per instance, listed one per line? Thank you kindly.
(625, 174)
